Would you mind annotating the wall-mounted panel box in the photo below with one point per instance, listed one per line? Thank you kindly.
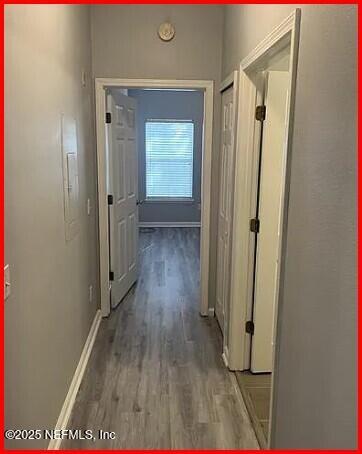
(7, 283)
(70, 176)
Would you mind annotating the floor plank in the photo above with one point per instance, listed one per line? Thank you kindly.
(155, 376)
(256, 390)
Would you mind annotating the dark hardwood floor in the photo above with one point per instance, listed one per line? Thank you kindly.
(156, 376)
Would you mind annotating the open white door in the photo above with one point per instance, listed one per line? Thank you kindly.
(225, 206)
(122, 189)
(270, 199)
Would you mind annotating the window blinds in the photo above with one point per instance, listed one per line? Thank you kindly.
(169, 158)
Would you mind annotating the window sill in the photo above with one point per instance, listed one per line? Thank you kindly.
(169, 200)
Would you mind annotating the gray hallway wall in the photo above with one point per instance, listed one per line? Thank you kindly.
(316, 369)
(177, 105)
(48, 314)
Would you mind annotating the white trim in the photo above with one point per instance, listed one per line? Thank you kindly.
(211, 312)
(294, 50)
(278, 35)
(228, 81)
(169, 224)
(225, 356)
(154, 83)
(248, 139)
(208, 86)
(76, 381)
(187, 200)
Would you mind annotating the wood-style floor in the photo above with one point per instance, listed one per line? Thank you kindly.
(156, 376)
(256, 390)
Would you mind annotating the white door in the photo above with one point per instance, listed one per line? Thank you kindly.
(123, 188)
(270, 198)
(225, 206)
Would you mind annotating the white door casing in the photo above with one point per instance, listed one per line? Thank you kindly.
(225, 207)
(123, 186)
(270, 203)
(284, 38)
(101, 86)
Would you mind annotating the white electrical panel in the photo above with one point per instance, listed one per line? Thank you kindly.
(84, 78)
(7, 283)
(70, 176)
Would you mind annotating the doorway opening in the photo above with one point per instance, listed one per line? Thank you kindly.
(265, 120)
(256, 383)
(164, 155)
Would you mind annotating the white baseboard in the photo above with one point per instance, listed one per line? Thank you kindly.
(225, 356)
(76, 381)
(211, 312)
(169, 224)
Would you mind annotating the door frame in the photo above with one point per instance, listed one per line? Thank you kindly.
(285, 36)
(101, 84)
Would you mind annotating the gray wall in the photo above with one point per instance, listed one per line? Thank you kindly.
(48, 315)
(125, 44)
(316, 370)
(177, 105)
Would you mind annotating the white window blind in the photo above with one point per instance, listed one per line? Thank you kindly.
(169, 158)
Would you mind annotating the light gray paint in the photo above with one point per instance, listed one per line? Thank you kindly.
(48, 315)
(126, 45)
(176, 105)
(316, 369)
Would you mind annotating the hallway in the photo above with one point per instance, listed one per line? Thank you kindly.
(212, 124)
(156, 376)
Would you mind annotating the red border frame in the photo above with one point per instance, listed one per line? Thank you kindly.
(359, 206)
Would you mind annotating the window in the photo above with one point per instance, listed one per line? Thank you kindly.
(169, 158)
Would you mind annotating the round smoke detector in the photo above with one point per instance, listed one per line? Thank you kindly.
(166, 31)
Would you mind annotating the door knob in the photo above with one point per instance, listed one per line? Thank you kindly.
(139, 202)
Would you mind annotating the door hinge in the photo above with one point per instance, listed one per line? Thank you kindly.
(108, 117)
(260, 113)
(254, 225)
(111, 276)
(110, 199)
(249, 327)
